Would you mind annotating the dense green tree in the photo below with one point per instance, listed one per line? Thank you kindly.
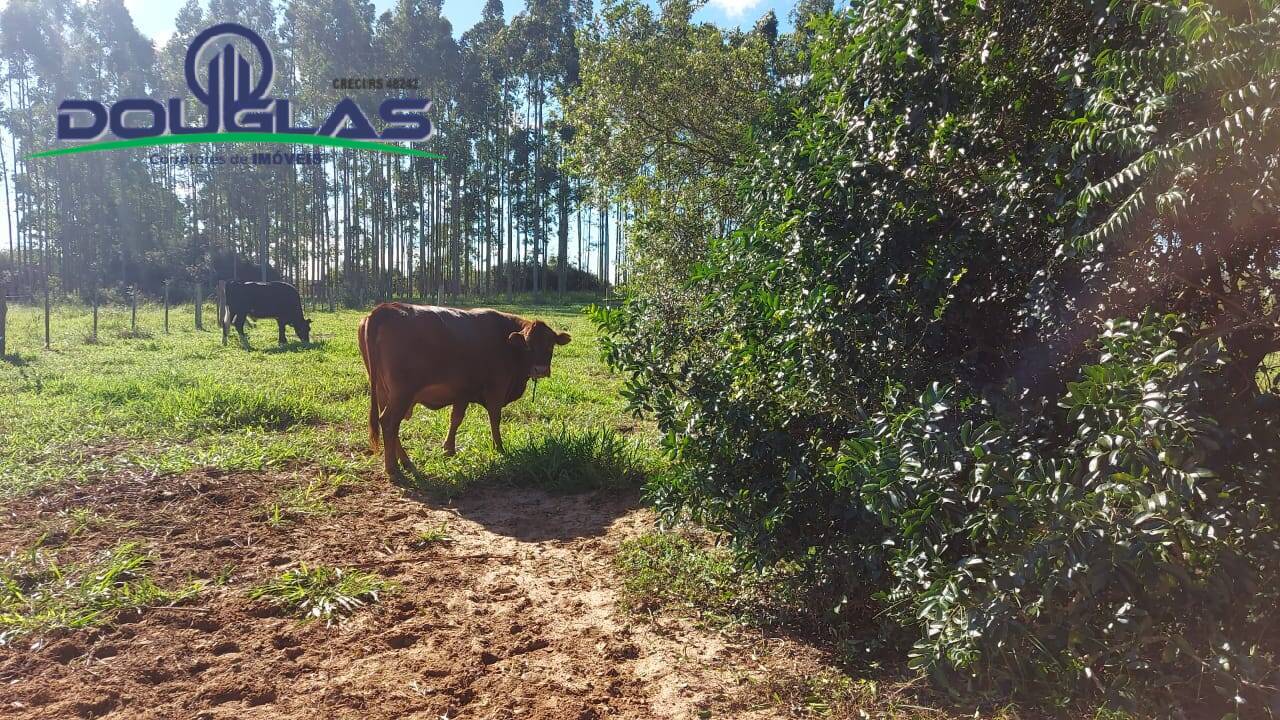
(1189, 220)
(663, 120)
(903, 382)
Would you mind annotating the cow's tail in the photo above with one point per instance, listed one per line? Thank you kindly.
(367, 337)
(370, 327)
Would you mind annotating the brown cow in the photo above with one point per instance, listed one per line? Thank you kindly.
(440, 356)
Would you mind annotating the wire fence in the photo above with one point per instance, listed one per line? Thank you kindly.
(130, 313)
(114, 312)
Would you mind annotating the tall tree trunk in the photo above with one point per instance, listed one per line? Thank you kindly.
(563, 202)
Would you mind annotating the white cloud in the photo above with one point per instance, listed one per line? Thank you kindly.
(734, 8)
(153, 18)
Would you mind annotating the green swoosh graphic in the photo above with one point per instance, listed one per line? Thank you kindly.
(239, 137)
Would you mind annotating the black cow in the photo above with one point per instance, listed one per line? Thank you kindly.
(258, 300)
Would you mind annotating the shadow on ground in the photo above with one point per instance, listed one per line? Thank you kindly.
(533, 515)
(294, 346)
(566, 484)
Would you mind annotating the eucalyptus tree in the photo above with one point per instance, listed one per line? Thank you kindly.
(662, 117)
(358, 224)
(546, 57)
(487, 112)
(115, 210)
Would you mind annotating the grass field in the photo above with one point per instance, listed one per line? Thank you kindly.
(167, 403)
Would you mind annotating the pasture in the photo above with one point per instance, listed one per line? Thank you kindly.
(166, 404)
(193, 530)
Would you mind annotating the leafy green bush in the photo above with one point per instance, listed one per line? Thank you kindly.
(1137, 551)
(901, 378)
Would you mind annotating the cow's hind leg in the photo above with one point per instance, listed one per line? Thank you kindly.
(390, 419)
(239, 323)
(280, 325)
(401, 454)
(455, 419)
(375, 440)
(405, 462)
(375, 431)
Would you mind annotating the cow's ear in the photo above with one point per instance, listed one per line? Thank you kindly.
(563, 338)
(516, 340)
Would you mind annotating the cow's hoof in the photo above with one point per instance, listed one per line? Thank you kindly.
(449, 451)
(409, 469)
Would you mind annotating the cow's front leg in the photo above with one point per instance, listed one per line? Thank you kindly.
(280, 325)
(495, 421)
(455, 419)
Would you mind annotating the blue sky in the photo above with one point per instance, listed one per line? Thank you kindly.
(155, 17)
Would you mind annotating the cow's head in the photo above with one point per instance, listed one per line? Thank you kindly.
(535, 343)
(304, 330)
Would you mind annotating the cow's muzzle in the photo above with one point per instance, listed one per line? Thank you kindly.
(540, 371)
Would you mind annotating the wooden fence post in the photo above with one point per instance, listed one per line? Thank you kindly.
(166, 307)
(221, 291)
(46, 313)
(4, 312)
(199, 307)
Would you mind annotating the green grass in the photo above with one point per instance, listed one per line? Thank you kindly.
(433, 536)
(322, 593)
(304, 501)
(163, 404)
(83, 520)
(37, 594)
(674, 571)
(568, 460)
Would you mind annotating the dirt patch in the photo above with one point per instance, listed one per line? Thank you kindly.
(515, 616)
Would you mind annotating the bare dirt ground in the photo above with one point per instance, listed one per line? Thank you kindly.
(517, 617)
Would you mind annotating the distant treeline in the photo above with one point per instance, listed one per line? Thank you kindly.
(451, 226)
(354, 291)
